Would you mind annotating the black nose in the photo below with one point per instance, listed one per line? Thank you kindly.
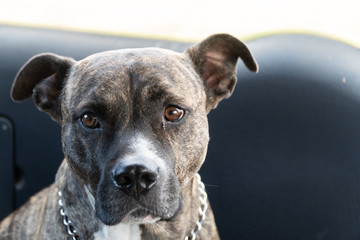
(135, 179)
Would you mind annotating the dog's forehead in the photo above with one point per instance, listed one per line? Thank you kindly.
(125, 58)
(114, 74)
(135, 64)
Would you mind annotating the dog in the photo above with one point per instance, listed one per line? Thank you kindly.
(134, 135)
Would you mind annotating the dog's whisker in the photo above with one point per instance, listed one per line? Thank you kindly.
(212, 185)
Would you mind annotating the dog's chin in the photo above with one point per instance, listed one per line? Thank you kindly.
(140, 216)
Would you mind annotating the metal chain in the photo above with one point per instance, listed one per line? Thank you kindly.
(202, 209)
(202, 214)
(67, 222)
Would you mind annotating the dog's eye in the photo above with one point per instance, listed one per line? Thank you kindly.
(89, 120)
(173, 113)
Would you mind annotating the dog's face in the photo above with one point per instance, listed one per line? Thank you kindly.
(134, 109)
(134, 122)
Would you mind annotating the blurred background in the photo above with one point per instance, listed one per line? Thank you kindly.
(189, 20)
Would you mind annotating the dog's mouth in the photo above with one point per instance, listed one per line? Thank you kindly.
(113, 206)
(137, 214)
(140, 216)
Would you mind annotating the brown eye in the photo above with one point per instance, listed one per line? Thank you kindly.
(173, 114)
(89, 120)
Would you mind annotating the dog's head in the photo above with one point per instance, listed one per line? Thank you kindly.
(134, 121)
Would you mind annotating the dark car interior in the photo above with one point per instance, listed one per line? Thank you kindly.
(284, 155)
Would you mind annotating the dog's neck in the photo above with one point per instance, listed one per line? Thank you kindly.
(75, 195)
(73, 198)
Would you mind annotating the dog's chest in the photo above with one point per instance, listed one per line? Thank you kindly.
(121, 231)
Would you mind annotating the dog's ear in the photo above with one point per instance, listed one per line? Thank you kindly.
(43, 77)
(215, 61)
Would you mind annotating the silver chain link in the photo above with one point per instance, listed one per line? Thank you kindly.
(67, 222)
(202, 213)
(202, 209)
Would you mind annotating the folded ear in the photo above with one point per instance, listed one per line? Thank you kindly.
(215, 60)
(42, 77)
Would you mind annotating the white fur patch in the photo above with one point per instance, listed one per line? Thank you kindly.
(90, 197)
(123, 231)
(143, 148)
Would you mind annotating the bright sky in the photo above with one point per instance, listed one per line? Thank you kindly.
(190, 19)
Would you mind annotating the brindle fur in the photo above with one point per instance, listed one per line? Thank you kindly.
(129, 91)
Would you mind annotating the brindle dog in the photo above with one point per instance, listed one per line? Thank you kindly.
(134, 133)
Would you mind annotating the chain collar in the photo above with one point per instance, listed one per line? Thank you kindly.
(67, 222)
(202, 214)
(202, 209)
